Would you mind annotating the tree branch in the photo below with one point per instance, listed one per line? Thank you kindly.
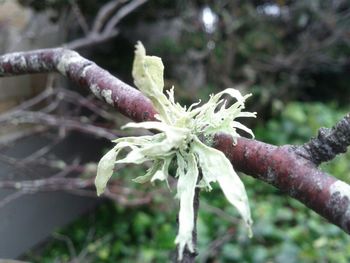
(84, 73)
(284, 167)
(328, 144)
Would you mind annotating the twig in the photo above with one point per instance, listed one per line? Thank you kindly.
(328, 143)
(80, 17)
(216, 244)
(11, 197)
(23, 133)
(48, 184)
(68, 242)
(219, 212)
(51, 120)
(104, 26)
(104, 14)
(42, 151)
(123, 12)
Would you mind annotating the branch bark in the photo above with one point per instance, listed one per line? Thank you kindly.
(292, 169)
(328, 143)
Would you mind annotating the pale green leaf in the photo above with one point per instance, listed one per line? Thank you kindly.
(186, 186)
(216, 167)
(148, 77)
(105, 170)
(174, 135)
(148, 72)
(235, 193)
(154, 67)
(134, 156)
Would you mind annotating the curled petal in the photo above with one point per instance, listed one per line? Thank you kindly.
(244, 114)
(105, 170)
(234, 93)
(150, 173)
(235, 193)
(148, 72)
(216, 167)
(135, 156)
(163, 173)
(242, 127)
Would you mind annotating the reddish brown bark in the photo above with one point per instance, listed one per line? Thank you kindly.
(283, 168)
(292, 169)
(84, 73)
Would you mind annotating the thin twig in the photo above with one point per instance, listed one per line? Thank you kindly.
(51, 120)
(123, 12)
(104, 26)
(80, 17)
(11, 197)
(104, 14)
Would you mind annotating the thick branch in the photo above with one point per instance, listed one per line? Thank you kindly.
(284, 167)
(84, 73)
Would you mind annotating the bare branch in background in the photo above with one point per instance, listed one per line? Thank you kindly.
(105, 24)
(80, 17)
(23, 113)
(105, 13)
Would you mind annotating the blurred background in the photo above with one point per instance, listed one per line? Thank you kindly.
(293, 56)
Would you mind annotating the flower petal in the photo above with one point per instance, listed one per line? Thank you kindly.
(244, 114)
(163, 173)
(148, 77)
(135, 156)
(186, 186)
(216, 167)
(175, 136)
(240, 126)
(105, 170)
(148, 72)
(235, 193)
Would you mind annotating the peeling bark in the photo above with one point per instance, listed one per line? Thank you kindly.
(292, 169)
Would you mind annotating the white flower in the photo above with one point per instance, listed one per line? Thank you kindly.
(178, 140)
